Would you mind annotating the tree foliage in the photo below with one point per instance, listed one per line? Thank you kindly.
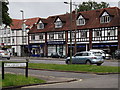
(92, 5)
(5, 15)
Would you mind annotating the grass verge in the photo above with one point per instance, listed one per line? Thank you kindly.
(17, 80)
(76, 67)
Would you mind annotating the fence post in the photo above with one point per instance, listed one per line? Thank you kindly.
(26, 73)
(2, 70)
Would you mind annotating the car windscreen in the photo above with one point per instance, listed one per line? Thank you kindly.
(97, 53)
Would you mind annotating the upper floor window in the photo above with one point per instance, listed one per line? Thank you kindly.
(60, 36)
(98, 33)
(5, 32)
(40, 25)
(13, 41)
(84, 34)
(9, 39)
(58, 23)
(51, 36)
(105, 18)
(33, 37)
(41, 36)
(8, 31)
(80, 21)
(111, 32)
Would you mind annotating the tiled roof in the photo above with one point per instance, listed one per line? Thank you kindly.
(17, 23)
(92, 20)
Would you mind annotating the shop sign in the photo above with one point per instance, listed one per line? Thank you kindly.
(56, 42)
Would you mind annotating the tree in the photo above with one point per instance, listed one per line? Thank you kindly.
(92, 5)
(5, 15)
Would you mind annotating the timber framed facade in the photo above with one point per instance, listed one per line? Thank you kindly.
(96, 29)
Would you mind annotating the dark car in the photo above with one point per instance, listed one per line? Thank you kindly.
(55, 55)
(117, 54)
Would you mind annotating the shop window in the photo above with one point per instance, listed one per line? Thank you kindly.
(105, 18)
(58, 23)
(80, 21)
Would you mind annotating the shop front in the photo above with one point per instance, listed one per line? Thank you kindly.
(56, 47)
(36, 50)
(107, 47)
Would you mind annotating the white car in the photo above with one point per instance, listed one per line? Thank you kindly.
(103, 53)
(4, 54)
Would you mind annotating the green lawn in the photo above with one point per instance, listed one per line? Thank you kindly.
(16, 80)
(75, 67)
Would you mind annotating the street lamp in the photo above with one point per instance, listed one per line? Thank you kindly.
(22, 31)
(71, 28)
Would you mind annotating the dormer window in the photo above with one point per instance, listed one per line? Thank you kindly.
(58, 23)
(105, 18)
(40, 25)
(80, 21)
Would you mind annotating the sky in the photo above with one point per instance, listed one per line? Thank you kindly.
(44, 8)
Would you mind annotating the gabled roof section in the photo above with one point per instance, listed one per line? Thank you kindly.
(93, 20)
(43, 20)
(17, 23)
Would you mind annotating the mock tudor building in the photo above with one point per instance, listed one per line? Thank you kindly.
(96, 29)
(15, 38)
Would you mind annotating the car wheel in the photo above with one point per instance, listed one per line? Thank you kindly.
(99, 64)
(68, 62)
(8, 58)
(88, 62)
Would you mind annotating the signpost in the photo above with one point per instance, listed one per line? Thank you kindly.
(15, 64)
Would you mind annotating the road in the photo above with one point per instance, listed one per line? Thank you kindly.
(83, 80)
(57, 61)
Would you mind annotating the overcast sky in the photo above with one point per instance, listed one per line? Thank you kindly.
(44, 8)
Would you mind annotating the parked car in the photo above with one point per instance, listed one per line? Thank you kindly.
(55, 55)
(104, 54)
(86, 57)
(4, 54)
(117, 54)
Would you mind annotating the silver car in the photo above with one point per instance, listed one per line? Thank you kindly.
(86, 57)
(4, 54)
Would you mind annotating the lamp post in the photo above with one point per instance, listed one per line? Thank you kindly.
(71, 28)
(22, 31)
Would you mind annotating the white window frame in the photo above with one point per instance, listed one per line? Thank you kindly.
(105, 18)
(60, 36)
(110, 33)
(33, 37)
(40, 36)
(84, 34)
(80, 21)
(98, 33)
(40, 25)
(51, 36)
(58, 23)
